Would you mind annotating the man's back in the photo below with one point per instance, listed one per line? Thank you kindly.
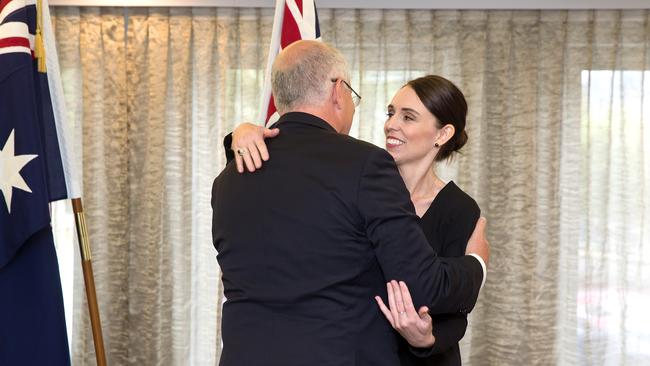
(299, 272)
(305, 243)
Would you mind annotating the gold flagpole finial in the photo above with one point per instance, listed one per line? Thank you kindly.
(39, 45)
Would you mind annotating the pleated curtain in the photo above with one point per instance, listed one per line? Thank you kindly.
(558, 159)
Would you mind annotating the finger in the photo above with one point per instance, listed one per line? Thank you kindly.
(392, 304)
(399, 301)
(385, 311)
(273, 132)
(426, 322)
(255, 155)
(423, 313)
(248, 161)
(401, 316)
(239, 162)
(263, 151)
(406, 297)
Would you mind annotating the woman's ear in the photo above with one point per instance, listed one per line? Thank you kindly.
(445, 134)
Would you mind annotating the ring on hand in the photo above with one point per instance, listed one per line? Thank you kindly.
(241, 152)
(402, 313)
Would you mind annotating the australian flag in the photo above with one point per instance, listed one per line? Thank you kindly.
(33, 172)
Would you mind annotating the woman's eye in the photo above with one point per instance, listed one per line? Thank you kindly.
(408, 118)
(390, 114)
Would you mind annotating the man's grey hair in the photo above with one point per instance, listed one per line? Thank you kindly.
(306, 80)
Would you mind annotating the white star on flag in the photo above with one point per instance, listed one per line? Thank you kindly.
(10, 166)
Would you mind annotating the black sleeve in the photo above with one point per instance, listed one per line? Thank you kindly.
(227, 145)
(448, 329)
(463, 217)
(448, 285)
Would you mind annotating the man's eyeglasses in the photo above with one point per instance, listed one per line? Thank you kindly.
(356, 98)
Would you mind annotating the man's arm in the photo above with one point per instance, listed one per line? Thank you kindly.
(448, 330)
(448, 285)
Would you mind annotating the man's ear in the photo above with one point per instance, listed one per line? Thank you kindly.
(336, 95)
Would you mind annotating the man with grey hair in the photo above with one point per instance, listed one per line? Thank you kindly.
(305, 243)
(305, 83)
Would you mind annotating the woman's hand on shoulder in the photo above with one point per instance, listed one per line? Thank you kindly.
(249, 146)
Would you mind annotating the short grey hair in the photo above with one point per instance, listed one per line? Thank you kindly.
(306, 80)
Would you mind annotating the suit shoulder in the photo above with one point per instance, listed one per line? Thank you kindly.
(363, 148)
(229, 169)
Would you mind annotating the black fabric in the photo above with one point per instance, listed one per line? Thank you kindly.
(305, 243)
(227, 144)
(447, 224)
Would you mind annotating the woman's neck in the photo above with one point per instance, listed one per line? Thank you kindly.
(421, 180)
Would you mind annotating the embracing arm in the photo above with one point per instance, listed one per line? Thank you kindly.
(445, 330)
(445, 285)
(448, 330)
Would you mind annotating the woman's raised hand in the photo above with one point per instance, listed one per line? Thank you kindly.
(415, 327)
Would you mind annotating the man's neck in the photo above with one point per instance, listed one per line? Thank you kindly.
(323, 114)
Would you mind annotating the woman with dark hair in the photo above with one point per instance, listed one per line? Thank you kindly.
(425, 126)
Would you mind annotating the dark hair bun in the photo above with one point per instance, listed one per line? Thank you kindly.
(460, 141)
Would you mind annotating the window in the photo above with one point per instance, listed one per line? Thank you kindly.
(614, 257)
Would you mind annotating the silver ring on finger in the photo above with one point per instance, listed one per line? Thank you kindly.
(241, 152)
(402, 313)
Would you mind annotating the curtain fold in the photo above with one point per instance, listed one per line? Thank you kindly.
(558, 158)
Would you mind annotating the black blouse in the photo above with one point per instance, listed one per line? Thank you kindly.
(447, 224)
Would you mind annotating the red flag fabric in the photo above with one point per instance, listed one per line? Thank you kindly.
(294, 20)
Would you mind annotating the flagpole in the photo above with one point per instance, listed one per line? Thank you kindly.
(274, 48)
(89, 280)
(45, 36)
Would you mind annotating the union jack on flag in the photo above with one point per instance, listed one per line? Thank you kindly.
(14, 32)
(294, 20)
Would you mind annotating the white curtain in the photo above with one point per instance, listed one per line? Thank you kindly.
(558, 159)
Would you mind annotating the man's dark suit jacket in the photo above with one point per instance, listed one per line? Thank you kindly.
(305, 243)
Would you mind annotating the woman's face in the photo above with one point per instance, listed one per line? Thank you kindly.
(411, 130)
